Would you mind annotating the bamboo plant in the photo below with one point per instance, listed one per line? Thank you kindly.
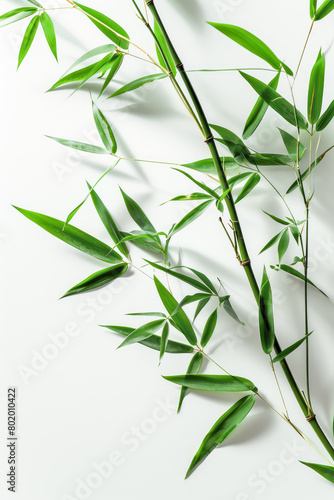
(223, 180)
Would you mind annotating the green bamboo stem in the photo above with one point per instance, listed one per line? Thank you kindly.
(245, 260)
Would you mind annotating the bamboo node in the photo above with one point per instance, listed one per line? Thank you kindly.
(245, 262)
(149, 2)
(180, 65)
(146, 24)
(310, 418)
(208, 139)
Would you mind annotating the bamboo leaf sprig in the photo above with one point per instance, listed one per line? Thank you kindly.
(237, 177)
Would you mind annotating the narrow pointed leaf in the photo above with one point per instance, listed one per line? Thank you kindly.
(251, 43)
(193, 368)
(98, 279)
(154, 341)
(190, 197)
(265, 159)
(271, 242)
(115, 64)
(143, 332)
(16, 15)
(209, 328)
(316, 89)
(139, 216)
(143, 240)
(164, 341)
(277, 219)
(73, 236)
(190, 217)
(249, 186)
(297, 274)
(325, 471)
(108, 27)
(189, 299)
(104, 129)
(208, 166)
(276, 101)
(34, 2)
(258, 111)
(156, 314)
(238, 149)
(102, 49)
(109, 222)
(224, 383)
(165, 50)
(202, 277)
(28, 38)
(291, 145)
(221, 429)
(205, 188)
(283, 244)
(231, 312)
(313, 8)
(140, 82)
(202, 303)
(305, 174)
(237, 179)
(325, 8)
(325, 118)
(49, 32)
(290, 349)
(80, 146)
(180, 318)
(266, 317)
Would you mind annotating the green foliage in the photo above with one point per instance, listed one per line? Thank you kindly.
(266, 316)
(28, 38)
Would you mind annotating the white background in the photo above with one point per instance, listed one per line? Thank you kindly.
(82, 406)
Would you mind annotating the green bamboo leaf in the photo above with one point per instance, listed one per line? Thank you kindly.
(276, 101)
(143, 332)
(180, 318)
(316, 89)
(143, 240)
(164, 341)
(221, 430)
(115, 64)
(325, 8)
(208, 167)
(202, 277)
(104, 129)
(224, 383)
(266, 159)
(277, 219)
(156, 314)
(209, 328)
(98, 279)
(251, 43)
(296, 274)
(231, 312)
(28, 39)
(266, 317)
(84, 74)
(258, 111)
(108, 27)
(190, 217)
(49, 33)
(295, 233)
(202, 303)
(193, 368)
(238, 149)
(271, 243)
(190, 197)
(165, 50)
(205, 188)
(325, 118)
(289, 350)
(140, 82)
(189, 299)
(73, 236)
(102, 49)
(305, 174)
(291, 145)
(77, 208)
(237, 179)
(80, 146)
(313, 8)
(108, 222)
(16, 15)
(138, 215)
(283, 244)
(153, 342)
(325, 471)
(249, 186)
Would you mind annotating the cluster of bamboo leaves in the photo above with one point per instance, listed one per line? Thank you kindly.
(244, 171)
